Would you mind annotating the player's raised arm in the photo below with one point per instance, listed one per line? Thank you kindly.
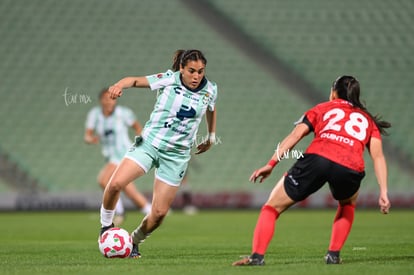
(127, 82)
(288, 143)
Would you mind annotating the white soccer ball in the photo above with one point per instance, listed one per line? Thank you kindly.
(115, 243)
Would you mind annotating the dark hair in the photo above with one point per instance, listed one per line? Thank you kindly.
(102, 92)
(348, 88)
(181, 57)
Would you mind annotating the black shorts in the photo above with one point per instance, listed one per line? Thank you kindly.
(311, 172)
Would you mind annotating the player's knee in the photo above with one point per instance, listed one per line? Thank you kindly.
(159, 213)
(115, 186)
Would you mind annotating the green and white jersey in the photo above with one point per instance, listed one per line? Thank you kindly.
(112, 131)
(178, 111)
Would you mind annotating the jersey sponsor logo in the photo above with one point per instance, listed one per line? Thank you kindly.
(186, 112)
(108, 132)
(338, 138)
(194, 97)
(180, 128)
(168, 124)
(177, 90)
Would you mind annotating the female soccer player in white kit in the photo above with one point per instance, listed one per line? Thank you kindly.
(184, 98)
(108, 125)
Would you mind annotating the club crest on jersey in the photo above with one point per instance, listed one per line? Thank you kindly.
(206, 98)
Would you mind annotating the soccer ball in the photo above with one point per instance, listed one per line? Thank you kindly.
(115, 243)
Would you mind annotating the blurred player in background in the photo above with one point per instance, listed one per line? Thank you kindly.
(184, 97)
(108, 125)
(342, 128)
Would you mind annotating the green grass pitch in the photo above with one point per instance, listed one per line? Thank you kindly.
(207, 243)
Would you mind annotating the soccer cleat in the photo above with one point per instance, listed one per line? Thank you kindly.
(105, 228)
(332, 259)
(249, 260)
(135, 252)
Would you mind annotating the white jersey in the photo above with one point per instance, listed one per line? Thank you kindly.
(178, 111)
(112, 131)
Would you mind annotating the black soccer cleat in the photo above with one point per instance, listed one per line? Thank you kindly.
(250, 260)
(332, 258)
(135, 252)
(106, 228)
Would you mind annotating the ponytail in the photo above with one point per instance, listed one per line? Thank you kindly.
(348, 88)
(177, 60)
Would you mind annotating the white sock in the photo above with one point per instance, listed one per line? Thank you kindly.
(119, 208)
(138, 236)
(106, 216)
(146, 209)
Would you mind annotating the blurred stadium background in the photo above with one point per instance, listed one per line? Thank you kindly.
(272, 61)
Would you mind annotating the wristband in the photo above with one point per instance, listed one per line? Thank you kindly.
(212, 137)
(272, 163)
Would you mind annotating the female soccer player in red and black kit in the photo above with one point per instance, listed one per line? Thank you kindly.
(342, 128)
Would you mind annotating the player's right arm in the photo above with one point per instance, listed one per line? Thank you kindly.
(127, 82)
(300, 130)
(90, 137)
(380, 168)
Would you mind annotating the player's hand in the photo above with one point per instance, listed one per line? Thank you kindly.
(202, 147)
(261, 173)
(94, 140)
(384, 204)
(115, 91)
(91, 139)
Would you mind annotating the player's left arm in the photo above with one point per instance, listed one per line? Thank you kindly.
(90, 137)
(137, 127)
(211, 128)
(116, 90)
(380, 168)
(300, 130)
